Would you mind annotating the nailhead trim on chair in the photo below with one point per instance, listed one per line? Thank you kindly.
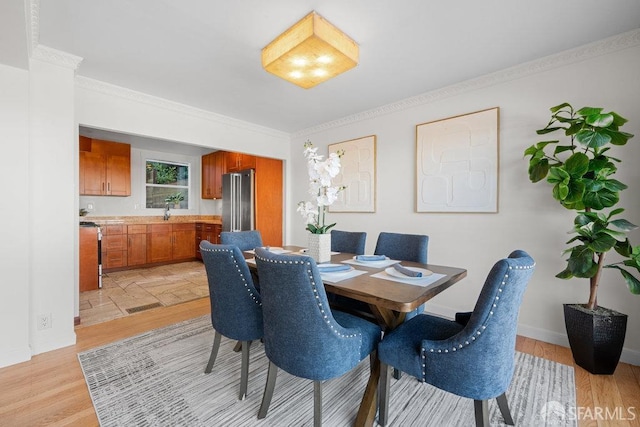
(244, 281)
(482, 328)
(315, 293)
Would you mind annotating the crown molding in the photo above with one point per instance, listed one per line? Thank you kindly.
(592, 50)
(55, 57)
(33, 23)
(121, 92)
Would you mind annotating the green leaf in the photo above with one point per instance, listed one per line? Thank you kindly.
(565, 274)
(548, 130)
(560, 107)
(593, 138)
(560, 191)
(620, 236)
(601, 199)
(599, 120)
(632, 283)
(623, 224)
(615, 185)
(576, 191)
(539, 170)
(588, 111)
(602, 244)
(580, 260)
(618, 137)
(624, 248)
(531, 151)
(618, 120)
(558, 174)
(562, 148)
(577, 165)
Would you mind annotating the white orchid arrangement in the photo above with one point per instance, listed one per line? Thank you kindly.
(321, 173)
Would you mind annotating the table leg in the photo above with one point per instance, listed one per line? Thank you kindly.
(369, 404)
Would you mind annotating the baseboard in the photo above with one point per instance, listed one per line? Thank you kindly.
(628, 355)
(76, 321)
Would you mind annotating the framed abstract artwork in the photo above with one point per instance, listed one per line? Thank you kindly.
(457, 163)
(358, 175)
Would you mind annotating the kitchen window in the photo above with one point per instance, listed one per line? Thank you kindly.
(167, 184)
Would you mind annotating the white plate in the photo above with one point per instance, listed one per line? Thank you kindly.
(395, 273)
(334, 272)
(355, 258)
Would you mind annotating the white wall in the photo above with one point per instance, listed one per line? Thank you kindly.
(528, 217)
(14, 245)
(52, 214)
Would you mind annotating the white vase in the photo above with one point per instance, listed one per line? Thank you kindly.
(320, 247)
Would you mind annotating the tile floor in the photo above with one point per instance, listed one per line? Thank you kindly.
(126, 292)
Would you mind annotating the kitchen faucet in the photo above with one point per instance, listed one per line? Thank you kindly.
(167, 214)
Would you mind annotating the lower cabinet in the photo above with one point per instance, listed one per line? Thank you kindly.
(168, 242)
(206, 231)
(136, 245)
(143, 244)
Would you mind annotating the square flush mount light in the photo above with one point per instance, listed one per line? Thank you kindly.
(310, 52)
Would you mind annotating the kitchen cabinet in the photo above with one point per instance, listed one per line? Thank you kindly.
(269, 200)
(136, 245)
(105, 168)
(239, 161)
(114, 246)
(89, 275)
(168, 242)
(213, 167)
(205, 231)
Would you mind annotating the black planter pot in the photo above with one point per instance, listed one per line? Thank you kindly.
(596, 337)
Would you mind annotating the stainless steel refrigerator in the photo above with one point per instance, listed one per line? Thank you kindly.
(238, 201)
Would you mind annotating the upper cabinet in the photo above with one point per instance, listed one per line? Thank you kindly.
(240, 161)
(105, 168)
(213, 167)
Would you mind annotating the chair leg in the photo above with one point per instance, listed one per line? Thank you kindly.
(482, 412)
(397, 374)
(317, 404)
(504, 409)
(268, 390)
(383, 394)
(244, 369)
(214, 352)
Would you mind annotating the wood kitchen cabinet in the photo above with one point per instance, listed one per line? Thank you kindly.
(240, 161)
(105, 168)
(136, 245)
(168, 242)
(213, 167)
(206, 231)
(269, 200)
(114, 246)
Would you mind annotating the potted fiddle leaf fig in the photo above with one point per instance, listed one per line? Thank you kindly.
(580, 170)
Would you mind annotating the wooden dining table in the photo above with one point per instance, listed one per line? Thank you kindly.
(389, 302)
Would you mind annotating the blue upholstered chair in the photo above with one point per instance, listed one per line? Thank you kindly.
(471, 357)
(352, 242)
(244, 240)
(405, 247)
(301, 334)
(236, 307)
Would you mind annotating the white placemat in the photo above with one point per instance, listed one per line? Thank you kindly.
(423, 281)
(271, 249)
(340, 275)
(305, 251)
(372, 264)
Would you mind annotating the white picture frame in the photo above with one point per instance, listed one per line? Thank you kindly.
(457, 163)
(357, 174)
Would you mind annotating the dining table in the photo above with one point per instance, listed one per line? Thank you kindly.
(390, 297)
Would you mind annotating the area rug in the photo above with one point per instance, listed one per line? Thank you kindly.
(158, 379)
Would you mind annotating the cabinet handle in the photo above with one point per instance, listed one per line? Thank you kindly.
(108, 187)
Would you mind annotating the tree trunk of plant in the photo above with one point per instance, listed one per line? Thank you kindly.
(593, 291)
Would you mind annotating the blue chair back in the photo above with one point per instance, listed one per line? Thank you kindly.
(236, 306)
(301, 334)
(404, 247)
(485, 348)
(244, 240)
(352, 242)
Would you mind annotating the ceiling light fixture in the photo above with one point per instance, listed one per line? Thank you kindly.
(310, 52)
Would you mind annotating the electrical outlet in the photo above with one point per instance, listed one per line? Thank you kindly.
(44, 321)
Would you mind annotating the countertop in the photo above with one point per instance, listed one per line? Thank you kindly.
(132, 220)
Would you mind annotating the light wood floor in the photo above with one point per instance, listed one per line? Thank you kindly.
(50, 388)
